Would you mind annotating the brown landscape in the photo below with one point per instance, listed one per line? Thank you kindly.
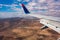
(25, 29)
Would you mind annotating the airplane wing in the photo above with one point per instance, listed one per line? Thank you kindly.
(48, 21)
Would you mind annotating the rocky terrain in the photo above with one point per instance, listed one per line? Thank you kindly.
(25, 29)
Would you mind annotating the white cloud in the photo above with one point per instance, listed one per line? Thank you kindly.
(23, 0)
(33, 5)
(41, 1)
(14, 5)
(10, 14)
(27, 0)
(36, 5)
(1, 5)
(19, 0)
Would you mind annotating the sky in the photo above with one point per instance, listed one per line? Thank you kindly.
(13, 8)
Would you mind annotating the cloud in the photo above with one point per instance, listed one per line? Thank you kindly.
(11, 14)
(49, 7)
(0, 5)
(41, 1)
(23, 0)
(19, 0)
(27, 0)
(37, 6)
(45, 7)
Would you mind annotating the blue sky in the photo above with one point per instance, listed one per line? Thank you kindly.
(8, 2)
(4, 8)
(8, 5)
(9, 8)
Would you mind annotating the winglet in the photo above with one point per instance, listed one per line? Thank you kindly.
(25, 9)
(22, 4)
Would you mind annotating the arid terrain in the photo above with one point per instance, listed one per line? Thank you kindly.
(25, 29)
